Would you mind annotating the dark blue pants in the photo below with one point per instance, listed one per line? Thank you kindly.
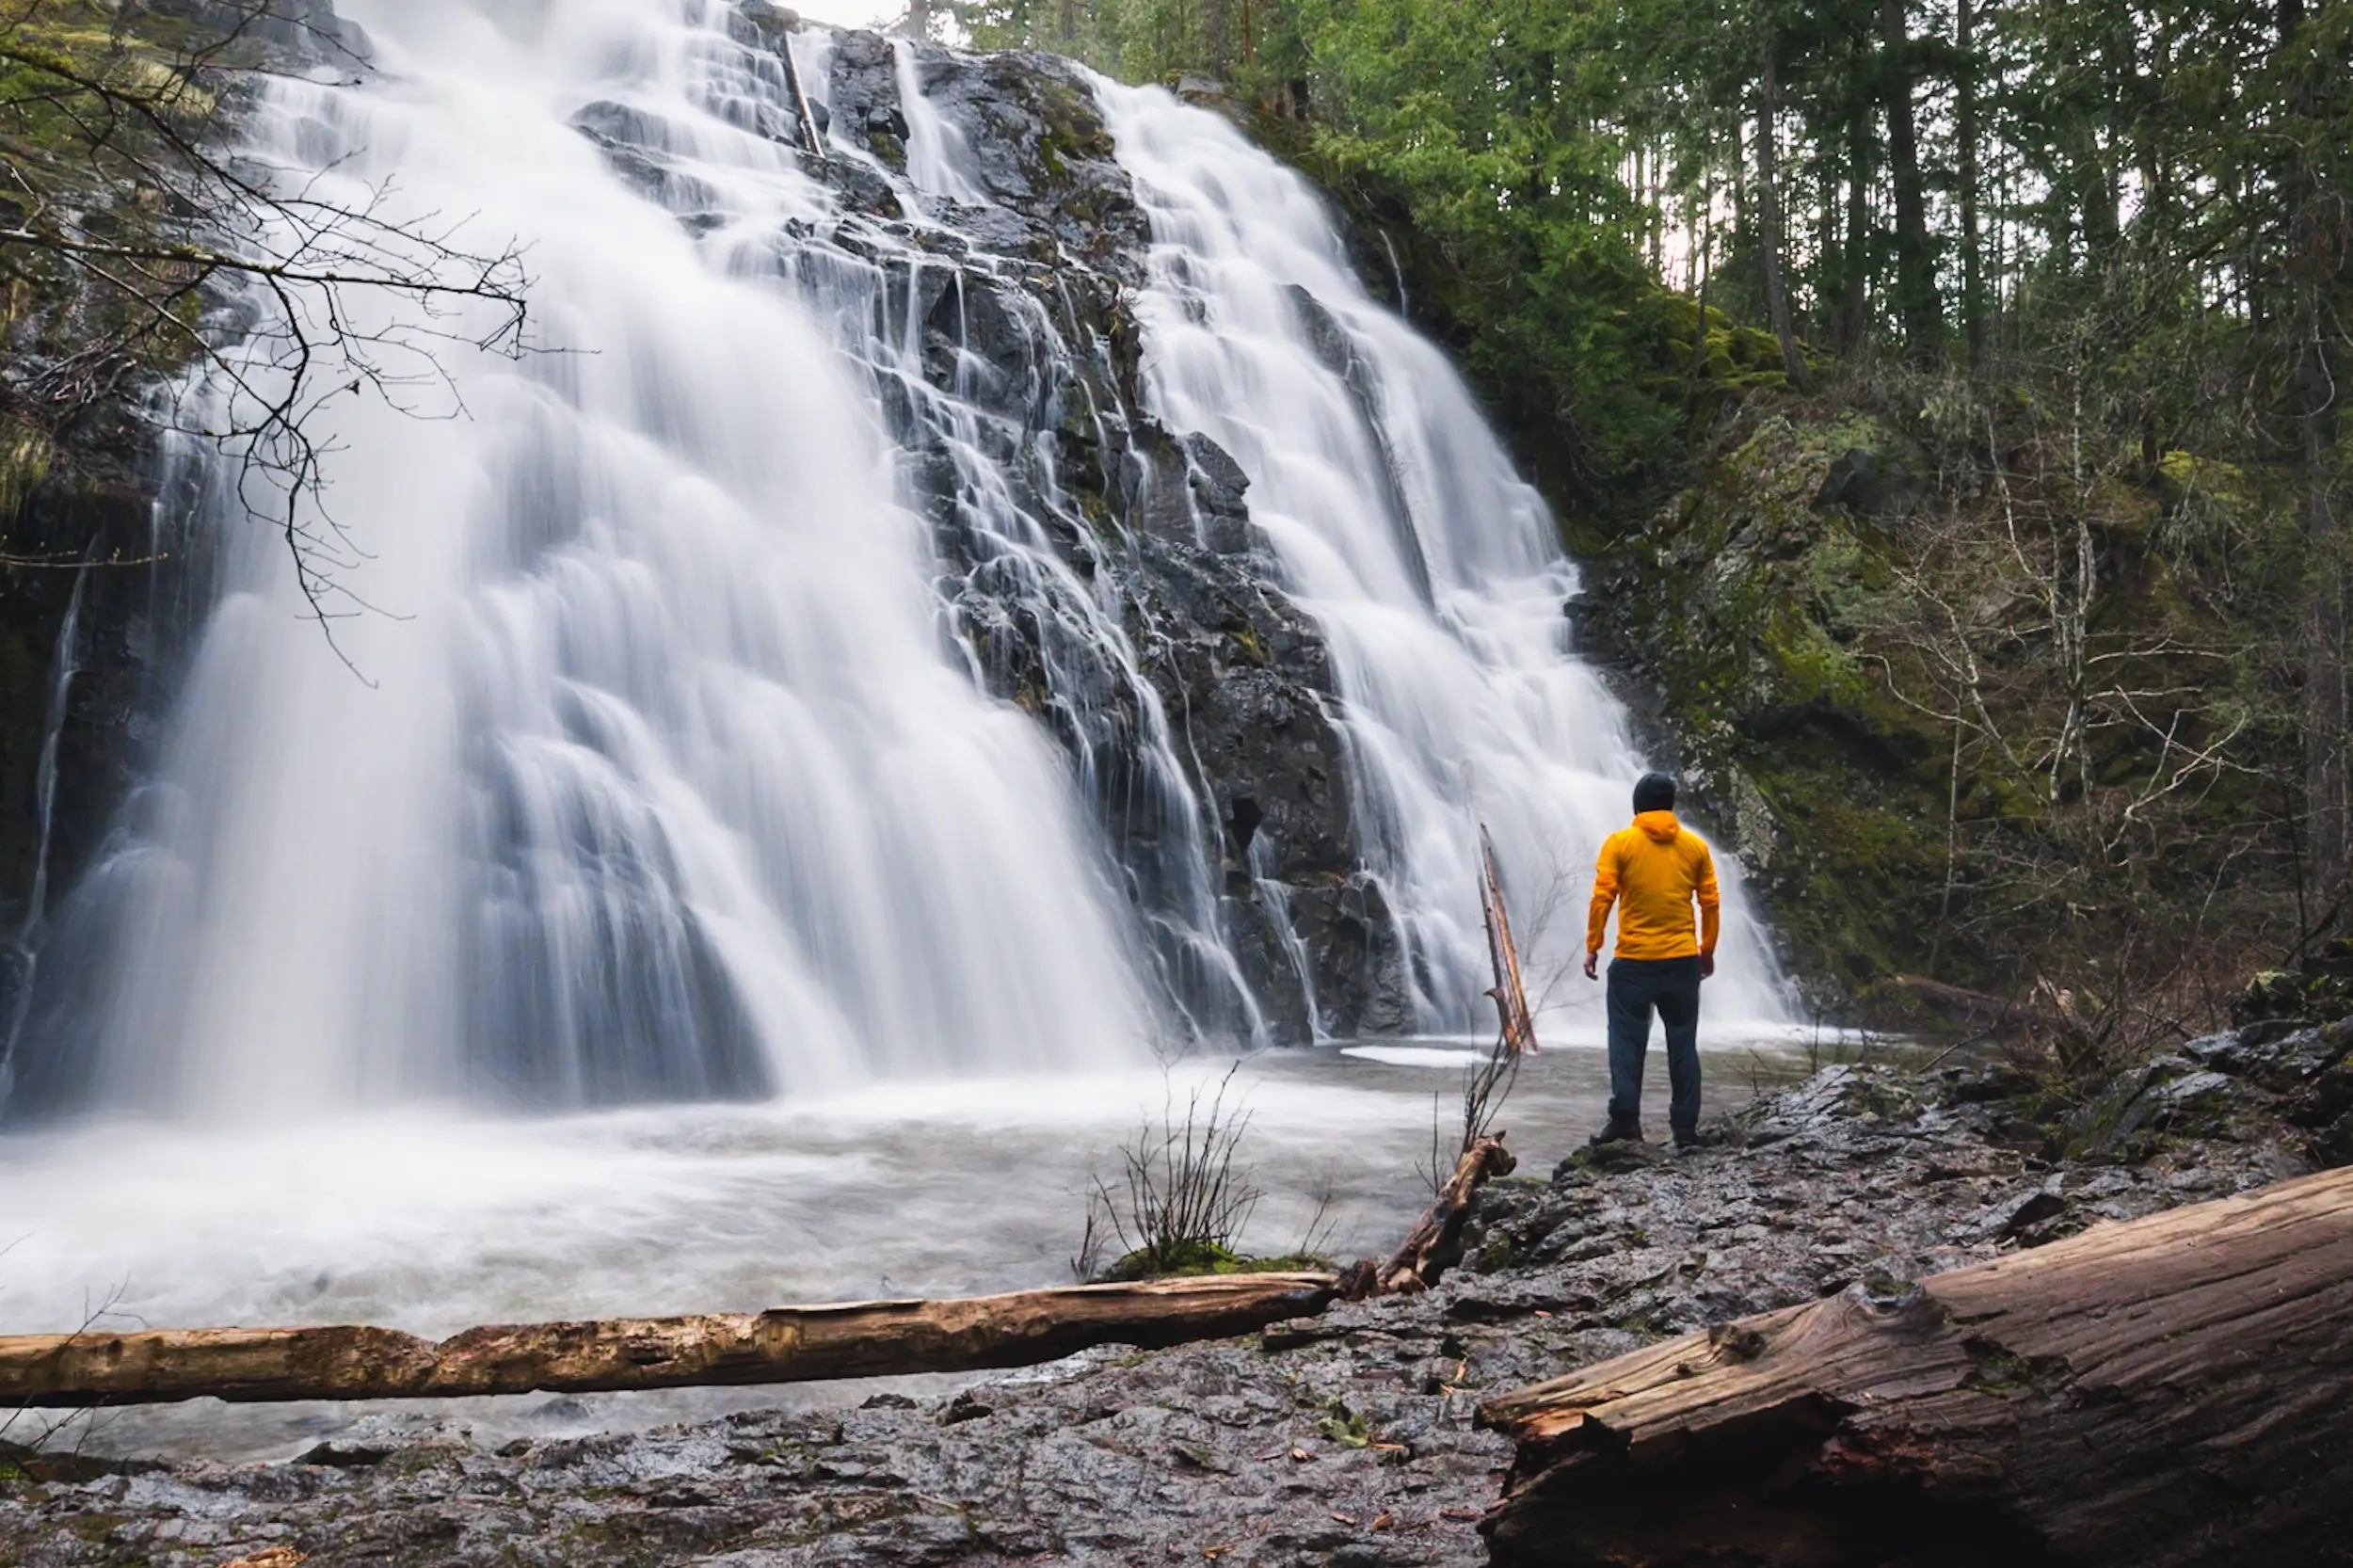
(1673, 986)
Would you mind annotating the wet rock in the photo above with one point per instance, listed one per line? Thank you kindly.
(1808, 1111)
(1996, 1082)
(965, 1407)
(2326, 1099)
(1871, 484)
(1025, 324)
(1218, 487)
(2332, 1146)
(344, 1455)
(2020, 1211)
(2199, 1091)
(2294, 1059)
(2223, 1053)
(1291, 1445)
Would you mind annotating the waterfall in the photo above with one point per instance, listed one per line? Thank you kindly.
(671, 779)
(744, 702)
(938, 153)
(1433, 569)
(23, 955)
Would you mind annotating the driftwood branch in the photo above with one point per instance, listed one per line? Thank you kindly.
(1436, 1243)
(1510, 993)
(2167, 1391)
(788, 1344)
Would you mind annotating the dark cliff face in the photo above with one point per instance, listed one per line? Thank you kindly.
(1257, 911)
(79, 620)
(1154, 519)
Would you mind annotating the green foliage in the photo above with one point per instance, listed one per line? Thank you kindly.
(1477, 140)
(1350, 1429)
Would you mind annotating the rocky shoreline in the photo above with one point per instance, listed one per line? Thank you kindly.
(1352, 1438)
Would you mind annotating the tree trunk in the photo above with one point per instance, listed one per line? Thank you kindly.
(2324, 685)
(1856, 258)
(1992, 1009)
(1769, 204)
(2315, 264)
(1967, 134)
(1828, 264)
(2168, 1391)
(2094, 183)
(787, 1344)
(1916, 303)
(813, 139)
(919, 22)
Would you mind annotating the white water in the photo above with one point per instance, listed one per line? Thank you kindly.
(938, 153)
(20, 961)
(1433, 569)
(673, 782)
(432, 1223)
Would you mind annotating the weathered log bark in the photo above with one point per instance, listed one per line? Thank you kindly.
(1510, 993)
(1436, 1243)
(1979, 1004)
(787, 1344)
(2172, 1391)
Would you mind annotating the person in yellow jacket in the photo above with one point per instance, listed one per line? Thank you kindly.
(1654, 872)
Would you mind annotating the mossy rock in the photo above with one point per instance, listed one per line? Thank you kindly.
(1192, 1259)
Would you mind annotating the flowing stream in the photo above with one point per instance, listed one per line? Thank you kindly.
(669, 800)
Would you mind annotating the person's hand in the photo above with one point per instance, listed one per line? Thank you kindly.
(1707, 965)
(1592, 965)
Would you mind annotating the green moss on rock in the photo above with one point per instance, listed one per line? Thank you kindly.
(1744, 601)
(1191, 1259)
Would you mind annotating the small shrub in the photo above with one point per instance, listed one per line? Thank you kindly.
(1180, 1200)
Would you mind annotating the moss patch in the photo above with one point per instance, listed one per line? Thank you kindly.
(1191, 1259)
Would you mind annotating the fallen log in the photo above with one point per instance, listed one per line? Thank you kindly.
(787, 1344)
(1436, 1243)
(2168, 1391)
(2000, 1011)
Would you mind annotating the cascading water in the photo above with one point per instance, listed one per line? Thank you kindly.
(1433, 568)
(673, 782)
(938, 154)
(680, 775)
(21, 958)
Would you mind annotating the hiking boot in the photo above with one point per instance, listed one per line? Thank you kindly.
(1686, 1143)
(1618, 1132)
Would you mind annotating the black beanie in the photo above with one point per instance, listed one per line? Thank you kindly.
(1653, 791)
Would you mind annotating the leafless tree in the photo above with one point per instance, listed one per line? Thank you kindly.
(228, 285)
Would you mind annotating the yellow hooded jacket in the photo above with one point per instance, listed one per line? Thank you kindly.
(1657, 868)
